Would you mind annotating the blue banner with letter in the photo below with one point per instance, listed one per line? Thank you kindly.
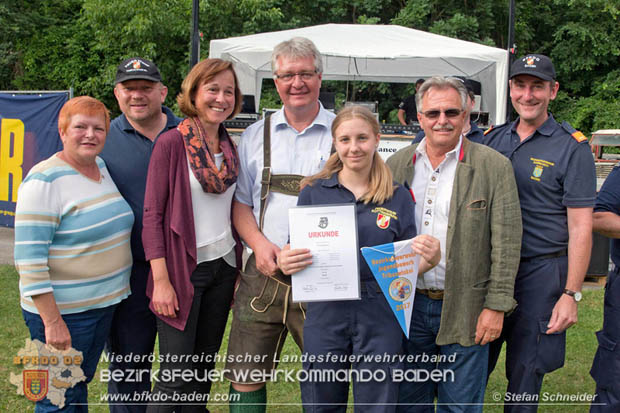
(395, 267)
(28, 135)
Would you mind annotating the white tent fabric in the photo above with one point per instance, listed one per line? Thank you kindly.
(376, 53)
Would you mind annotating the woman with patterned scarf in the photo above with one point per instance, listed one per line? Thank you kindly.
(188, 237)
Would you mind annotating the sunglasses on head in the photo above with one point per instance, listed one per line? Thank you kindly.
(450, 113)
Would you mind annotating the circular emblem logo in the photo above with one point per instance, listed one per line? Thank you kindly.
(400, 289)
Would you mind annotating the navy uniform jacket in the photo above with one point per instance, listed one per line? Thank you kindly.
(396, 215)
(607, 360)
(608, 200)
(554, 170)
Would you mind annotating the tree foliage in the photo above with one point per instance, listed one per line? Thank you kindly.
(78, 43)
(20, 22)
(479, 21)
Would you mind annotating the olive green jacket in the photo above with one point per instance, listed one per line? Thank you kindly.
(483, 240)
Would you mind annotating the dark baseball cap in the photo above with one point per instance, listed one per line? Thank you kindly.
(137, 68)
(469, 84)
(536, 65)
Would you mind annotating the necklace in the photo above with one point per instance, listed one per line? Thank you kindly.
(213, 144)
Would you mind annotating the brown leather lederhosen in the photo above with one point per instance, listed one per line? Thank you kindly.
(263, 311)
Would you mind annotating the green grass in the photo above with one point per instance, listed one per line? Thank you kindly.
(573, 378)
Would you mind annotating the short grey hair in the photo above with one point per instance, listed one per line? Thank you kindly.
(440, 82)
(296, 48)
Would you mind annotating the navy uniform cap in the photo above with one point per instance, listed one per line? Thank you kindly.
(137, 68)
(536, 65)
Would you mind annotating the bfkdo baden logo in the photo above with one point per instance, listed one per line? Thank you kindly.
(46, 372)
(35, 384)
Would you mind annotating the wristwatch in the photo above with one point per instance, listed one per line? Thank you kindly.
(575, 294)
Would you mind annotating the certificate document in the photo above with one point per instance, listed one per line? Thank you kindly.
(330, 233)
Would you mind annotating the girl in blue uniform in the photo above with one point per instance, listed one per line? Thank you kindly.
(341, 333)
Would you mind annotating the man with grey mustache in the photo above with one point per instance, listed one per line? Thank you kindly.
(466, 196)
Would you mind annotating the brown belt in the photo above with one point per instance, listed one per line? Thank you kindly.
(432, 294)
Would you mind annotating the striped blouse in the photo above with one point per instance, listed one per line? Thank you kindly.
(72, 238)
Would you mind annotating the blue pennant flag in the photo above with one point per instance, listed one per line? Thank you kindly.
(395, 267)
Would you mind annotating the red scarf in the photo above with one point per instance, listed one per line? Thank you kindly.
(202, 162)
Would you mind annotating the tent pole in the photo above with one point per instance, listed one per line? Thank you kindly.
(512, 51)
(195, 40)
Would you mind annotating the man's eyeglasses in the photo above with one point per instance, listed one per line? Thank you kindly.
(288, 77)
(435, 114)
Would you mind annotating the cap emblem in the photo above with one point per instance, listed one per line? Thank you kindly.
(530, 61)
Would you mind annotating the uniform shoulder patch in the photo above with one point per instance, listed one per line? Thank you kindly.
(577, 135)
(494, 127)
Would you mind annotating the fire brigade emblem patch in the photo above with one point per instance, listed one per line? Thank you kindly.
(35, 384)
(383, 221)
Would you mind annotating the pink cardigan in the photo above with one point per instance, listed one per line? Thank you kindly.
(168, 224)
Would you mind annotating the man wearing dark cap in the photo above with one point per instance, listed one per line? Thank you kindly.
(470, 128)
(407, 111)
(555, 175)
(140, 95)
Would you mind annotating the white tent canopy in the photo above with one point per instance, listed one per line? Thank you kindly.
(376, 53)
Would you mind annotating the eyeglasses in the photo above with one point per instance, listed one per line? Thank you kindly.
(288, 77)
(450, 113)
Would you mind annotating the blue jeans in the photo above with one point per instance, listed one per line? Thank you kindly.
(89, 330)
(464, 369)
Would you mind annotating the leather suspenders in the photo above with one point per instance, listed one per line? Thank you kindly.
(287, 184)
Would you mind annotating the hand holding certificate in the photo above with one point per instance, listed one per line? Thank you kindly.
(330, 233)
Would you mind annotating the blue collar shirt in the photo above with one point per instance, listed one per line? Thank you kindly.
(127, 154)
(554, 171)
